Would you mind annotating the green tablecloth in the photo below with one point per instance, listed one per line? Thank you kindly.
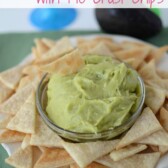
(15, 46)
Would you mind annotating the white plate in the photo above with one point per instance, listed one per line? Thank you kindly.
(163, 163)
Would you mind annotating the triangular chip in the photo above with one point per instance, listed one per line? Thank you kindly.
(26, 141)
(128, 151)
(158, 138)
(157, 53)
(5, 92)
(42, 149)
(132, 44)
(8, 136)
(23, 82)
(163, 149)
(103, 39)
(11, 77)
(35, 52)
(44, 136)
(41, 47)
(113, 46)
(154, 148)
(138, 53)
(68, 64)
(164, 118)
(48, 42)
(54, 158)
(148, 160)
(101, 49)
(148, 71)
(94, 40)
(145, 125)
(4, 122)
(30, 80)
(62, 47)
(24, 120)
(15, 102)
(86, 153)
(36, 154)
(155, 98)
(22, 158)
(150, 76)
(31, 70)
(92, 165)
(85, 47)
(133, 62)
(163, 74)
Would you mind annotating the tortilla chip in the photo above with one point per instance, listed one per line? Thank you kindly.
(164, 118)
(8, 136)
(31, 70)
(145, 125)
(92, 165)
(27, 80)
(134, 63)
(150, 76)
(5, 92)
(160, 84)
(138, 53)
(148, 160)
(22, 158)
(41, 47)
(148, 71)
(155, 98)
(127, 152)
(35, 52)
(154, 148)
(25, 118)
(103, 39)
(26, 141)
(163, 149)
(44, 136)
(15, 102)
(11, 77)
(54, 158)
(62, 47)
(36, 154)
(131, 45)
(96, 165)
(85, 45)
(48, 42)
(81, 40)
(158, 138)
(86, 153)
(42, 149)
(162, 74)
(4, 122)
(157, 53)
(113, 46)
(94, 40)
(101, 49)
(68, 64)
(23, 82)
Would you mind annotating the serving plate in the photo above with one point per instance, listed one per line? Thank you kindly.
(163, 65)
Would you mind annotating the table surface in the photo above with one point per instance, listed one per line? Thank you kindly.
(15, 46)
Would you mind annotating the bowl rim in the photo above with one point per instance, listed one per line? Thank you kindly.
(53, 125)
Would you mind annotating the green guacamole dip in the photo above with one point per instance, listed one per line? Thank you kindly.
(102, 95)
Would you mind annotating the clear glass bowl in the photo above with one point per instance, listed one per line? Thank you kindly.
(41, 102)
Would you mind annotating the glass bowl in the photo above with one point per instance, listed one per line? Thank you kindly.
(41, 102)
